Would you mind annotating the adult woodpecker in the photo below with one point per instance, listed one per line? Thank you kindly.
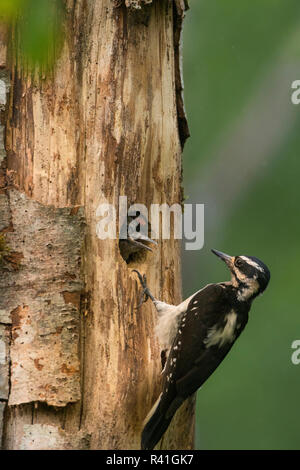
(198, 333)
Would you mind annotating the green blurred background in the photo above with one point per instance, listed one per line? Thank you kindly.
(242, 161)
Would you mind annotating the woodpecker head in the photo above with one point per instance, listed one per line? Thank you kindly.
(134, 236)
(248, 274)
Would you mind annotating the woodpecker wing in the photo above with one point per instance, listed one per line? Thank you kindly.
(190, 361)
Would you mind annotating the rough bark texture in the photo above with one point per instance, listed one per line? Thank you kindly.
(80, 367)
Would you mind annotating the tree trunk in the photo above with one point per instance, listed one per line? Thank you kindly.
(80, 366)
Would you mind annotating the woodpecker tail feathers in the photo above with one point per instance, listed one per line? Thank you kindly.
(157, 422)
(154, 429)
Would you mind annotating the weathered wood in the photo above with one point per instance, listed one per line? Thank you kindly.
(136, 4)
(4, 360)
(104, 124)
(3, 43)
(2, 408)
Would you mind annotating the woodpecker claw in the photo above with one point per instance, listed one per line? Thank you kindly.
(145, 292)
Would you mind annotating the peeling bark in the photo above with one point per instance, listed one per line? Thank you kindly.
(84, 366)
(45, 326)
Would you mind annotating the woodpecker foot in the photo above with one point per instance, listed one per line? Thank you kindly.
(146, 294)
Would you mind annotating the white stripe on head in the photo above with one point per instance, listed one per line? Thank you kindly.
(252, 263)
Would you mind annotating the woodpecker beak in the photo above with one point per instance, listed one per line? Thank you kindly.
(147, 239)
(227, 258)
(139, 242)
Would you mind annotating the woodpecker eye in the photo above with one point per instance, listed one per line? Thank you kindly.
(239, 263)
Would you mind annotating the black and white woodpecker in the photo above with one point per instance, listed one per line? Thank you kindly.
(198, 333)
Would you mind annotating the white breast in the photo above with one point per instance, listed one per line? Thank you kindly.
(222, 335)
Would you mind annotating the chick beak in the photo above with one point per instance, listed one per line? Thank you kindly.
(227, 258)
